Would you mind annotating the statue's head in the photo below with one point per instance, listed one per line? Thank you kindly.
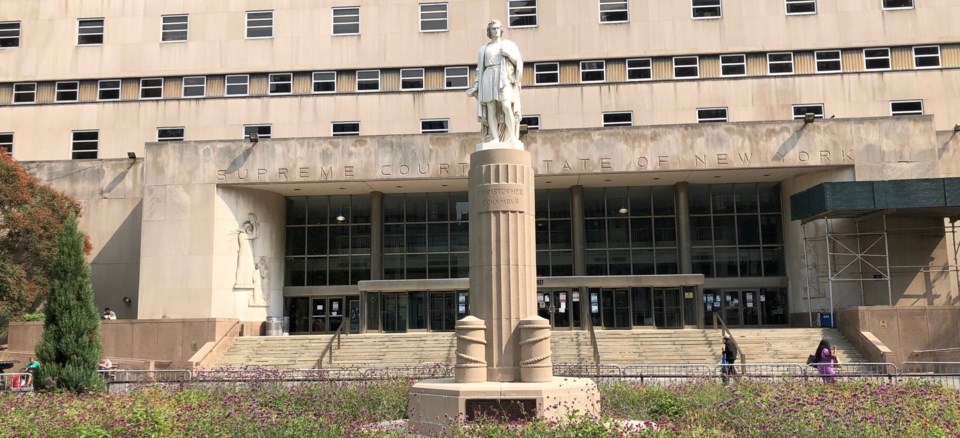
(494, 28)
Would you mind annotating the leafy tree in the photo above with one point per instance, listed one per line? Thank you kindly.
(31, 216)
(70, 349)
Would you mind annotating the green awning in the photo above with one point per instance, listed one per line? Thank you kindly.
(933, 197)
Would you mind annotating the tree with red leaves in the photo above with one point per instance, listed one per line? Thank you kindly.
(31, 216)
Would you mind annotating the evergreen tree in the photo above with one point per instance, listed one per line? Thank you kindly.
(70, 348)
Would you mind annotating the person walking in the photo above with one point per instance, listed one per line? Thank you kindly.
(727, 358)
(826, 360)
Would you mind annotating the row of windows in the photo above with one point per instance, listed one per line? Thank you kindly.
(433, 18)
(801, 111)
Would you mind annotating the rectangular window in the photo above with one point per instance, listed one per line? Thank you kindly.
(85, 144)
(170, 134)
(800, 111)
(532, 122)
(25, 92)
(433, 17)
(108, 89)
(324, 82)
(828, 61)
(621, 118)
(194, 86)
(456, 77)
(733, 65)
(926, 57)
(711, 115)
(546, 74)
(174, 28)
(801, 7)
(9, 34)
(639, 69)
(346, 21)
(436, 126)
(259, 24)
(592, 71)
(876, 59)
(151, 88)
(345, 129)
(906, 108)
(411, 79)
(261, 131)
(89, 31)
(67, 91)
(614, 11)
(897, 4)
(6, 142)
(281, 83)
(522, 13)
(686, 67)
(704, 9)
(368, 80)
(237, 85)
(780, 63)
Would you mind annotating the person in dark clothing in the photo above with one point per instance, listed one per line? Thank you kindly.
(728, 358)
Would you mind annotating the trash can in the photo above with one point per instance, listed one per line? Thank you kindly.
(274, 326)
(826, 319)
(286, 325)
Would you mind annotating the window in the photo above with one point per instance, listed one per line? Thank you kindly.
(344, 129)
(801, 7)
(346, 21)
(706, 9)
(876, 59)
(85, 144)
(281, 83)
(614, 11)
(427, 126)
(828, 61)
(926, 57)
(622, 118)
(522, 13)
(733, 65)
(328, 242)
(261, 131)
(237, 85)
(170, 134)
(780, 63)
(711, 115)
(259, 24)
(9, 34)
(368, 80)
(89, 31)
(411, 79)
(799, 111)
(174, 28)
(591, 71)
(6, 142)
(456, 77)
(897, 4)
(433, 17)
(67, 91)
(532, 122)
(324, 82)
(108, 89)
(639, 69)
(686, 67)
(194, 86)
(546, 74)
(906, 108)
(25, 92)
(151, 88)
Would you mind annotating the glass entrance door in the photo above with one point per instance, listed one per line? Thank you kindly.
(443, 316)
(353, 307)
(740, 308)
(394, 312)
(560, 307)
(615, 308)
(318, 315)
(667, 308)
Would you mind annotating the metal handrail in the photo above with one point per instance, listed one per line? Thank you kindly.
(725, 330)
(329, 348)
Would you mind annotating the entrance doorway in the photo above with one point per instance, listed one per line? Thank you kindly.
(667, 308)
(323, 314)
(746, 307)
(560, 307)
(615, 308)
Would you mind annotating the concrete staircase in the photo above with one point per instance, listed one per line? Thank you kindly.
(627, 347)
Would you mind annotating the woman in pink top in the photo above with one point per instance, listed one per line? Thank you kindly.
(825, 360)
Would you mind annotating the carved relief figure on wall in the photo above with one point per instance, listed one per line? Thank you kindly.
(259, 296)
(497, 87)
(246, 269)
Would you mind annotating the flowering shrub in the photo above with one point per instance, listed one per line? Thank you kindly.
(329, 409)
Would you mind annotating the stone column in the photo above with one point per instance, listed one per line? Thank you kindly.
(682, 192)
(503, 263)
(579, 252)
(376, 235)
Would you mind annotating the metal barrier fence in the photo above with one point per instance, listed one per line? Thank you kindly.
(16, 382)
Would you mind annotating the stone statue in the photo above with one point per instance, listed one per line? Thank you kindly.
(246, 268)
(259, 295)
(497, 88)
